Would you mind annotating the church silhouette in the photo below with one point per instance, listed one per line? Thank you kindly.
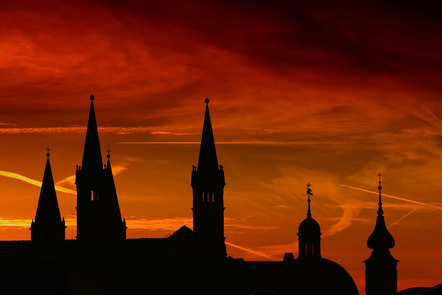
(102, 261)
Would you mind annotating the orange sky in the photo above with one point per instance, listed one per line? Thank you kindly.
(312, 92)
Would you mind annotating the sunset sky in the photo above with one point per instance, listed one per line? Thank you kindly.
(300, 91)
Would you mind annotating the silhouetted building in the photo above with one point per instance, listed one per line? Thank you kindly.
(208, 189)
(102, 261)
(309, 233)
(308, 274)
(435, 290)
(48, 225)
(380, 268)
(98, 211)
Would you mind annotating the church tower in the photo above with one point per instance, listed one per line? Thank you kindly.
(380, 268)
(98, 211)
(309, 233)
(48, 225)
(208, 188)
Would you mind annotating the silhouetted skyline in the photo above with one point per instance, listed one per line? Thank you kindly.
(300, 92)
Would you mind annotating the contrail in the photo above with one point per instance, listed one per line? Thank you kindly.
(34, 182)
(400, 219)
(392, 197)
(251, 251)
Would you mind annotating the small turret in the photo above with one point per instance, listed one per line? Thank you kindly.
(309, 233)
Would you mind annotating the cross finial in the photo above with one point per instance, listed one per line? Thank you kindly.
(108, 153)
(380, 211)
(47, 152)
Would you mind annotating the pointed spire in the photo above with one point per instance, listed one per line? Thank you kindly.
(113, 209)
(48, 212)
(380, 238)
(207, 161)
(92, 160)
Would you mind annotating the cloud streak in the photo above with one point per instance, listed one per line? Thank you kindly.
(78, 129)
(256, 252)
(34, 182)
(116, 170)
(402, 218)
(392, 197)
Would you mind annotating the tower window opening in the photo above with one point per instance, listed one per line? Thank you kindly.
(94, 196)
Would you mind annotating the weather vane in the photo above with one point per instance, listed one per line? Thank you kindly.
(309, 191)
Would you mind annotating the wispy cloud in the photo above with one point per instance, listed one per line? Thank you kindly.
(73, 129)
(350, 212)
(251, 142)
(256, 252)
(164, 224)
(116, 170)
(14, 222)
(34, 182)
(392, 197)
(170, 133)
(26, 222)
(402, 218)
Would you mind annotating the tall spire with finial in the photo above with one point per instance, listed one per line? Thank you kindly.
(48, 225)
(92, 161)
(381, 267)
(98, 211)
(208, 189)
(207, 159)
(309, 233)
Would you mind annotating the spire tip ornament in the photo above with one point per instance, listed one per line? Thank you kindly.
(108, 153)
(309, 194)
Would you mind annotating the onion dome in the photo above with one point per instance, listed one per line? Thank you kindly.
(380, 238)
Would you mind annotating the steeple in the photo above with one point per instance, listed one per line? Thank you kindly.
(92, 161)
(381, 267)
(208, 189)
(98, 211)
(207, 161)
(380, 239)
(113, 206)
(48, 225)
(309, 233)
